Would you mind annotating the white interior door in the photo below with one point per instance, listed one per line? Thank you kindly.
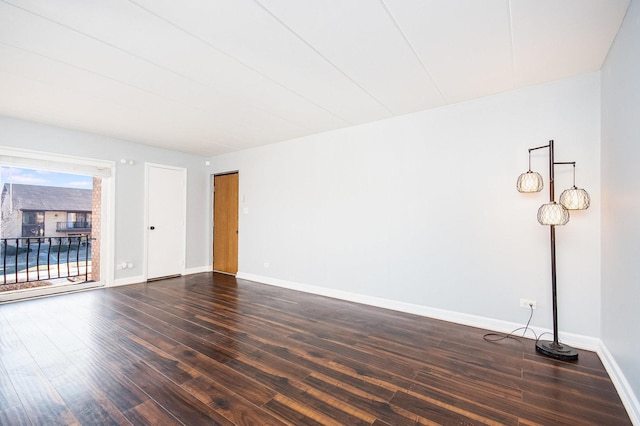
(166, 207)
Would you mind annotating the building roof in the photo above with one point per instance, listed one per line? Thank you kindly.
(47, 198)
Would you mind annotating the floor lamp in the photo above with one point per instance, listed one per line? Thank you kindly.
(554, 214)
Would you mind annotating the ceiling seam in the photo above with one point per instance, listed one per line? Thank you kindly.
(91, 72)
(186, 77)
(413, 50)
(288, 28)
(145, 91)
(624, 17)
(83, 127)
(103, 42)
(511, 41)
(247, 66)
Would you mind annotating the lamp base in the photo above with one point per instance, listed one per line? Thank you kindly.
(556, 350)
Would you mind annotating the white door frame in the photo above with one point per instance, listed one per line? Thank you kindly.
(183, 230)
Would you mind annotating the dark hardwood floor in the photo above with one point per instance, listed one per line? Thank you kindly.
(207, 349)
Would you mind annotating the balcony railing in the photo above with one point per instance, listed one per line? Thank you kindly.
(29, 259)
(73, 226)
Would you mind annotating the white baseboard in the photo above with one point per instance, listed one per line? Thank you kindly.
(627, 395)
(198, 270)
(128, 280)
(140, 278)
(576, 340)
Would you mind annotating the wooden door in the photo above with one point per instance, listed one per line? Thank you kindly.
(166, 221)
(225, 223)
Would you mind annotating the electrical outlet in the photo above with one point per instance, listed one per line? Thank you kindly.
(267, 264)
(527, 304)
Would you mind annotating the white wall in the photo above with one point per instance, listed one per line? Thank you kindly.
(621, 199)
(423, 208)
(129, 186)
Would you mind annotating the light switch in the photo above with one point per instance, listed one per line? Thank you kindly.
(246, 210)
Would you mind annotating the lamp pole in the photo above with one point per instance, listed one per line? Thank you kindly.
(552, 231)
(554, 349)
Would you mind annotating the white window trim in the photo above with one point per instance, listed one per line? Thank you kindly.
(105, 169)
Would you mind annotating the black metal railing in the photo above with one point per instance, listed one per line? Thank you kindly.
(72, 226)
(28, 259)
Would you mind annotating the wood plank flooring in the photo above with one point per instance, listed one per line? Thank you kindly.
(207, 349)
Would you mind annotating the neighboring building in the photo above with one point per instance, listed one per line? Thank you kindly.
(33, 211)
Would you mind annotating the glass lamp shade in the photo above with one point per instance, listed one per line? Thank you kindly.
(529, 182)
(575, 199)
(553, 214)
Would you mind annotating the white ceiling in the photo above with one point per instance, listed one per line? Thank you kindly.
(213, 76)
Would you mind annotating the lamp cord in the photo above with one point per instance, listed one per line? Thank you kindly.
(496, 337)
